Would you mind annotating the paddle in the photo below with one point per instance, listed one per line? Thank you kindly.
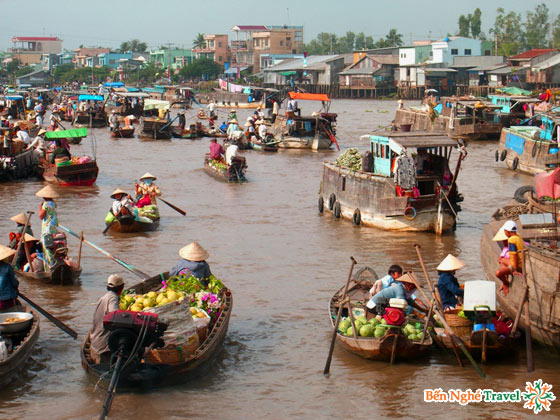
(50, 317)
(177, 209)
(528, 337)
(129, 267)
(108, 226)
(333, 339)
(22, 239)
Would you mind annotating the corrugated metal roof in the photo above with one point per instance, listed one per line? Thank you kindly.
(532, 53)
(314, 62)
(501, 70)
(478, 60)
(548, 63)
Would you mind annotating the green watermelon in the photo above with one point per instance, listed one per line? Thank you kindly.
(367, 331)
(379, 332)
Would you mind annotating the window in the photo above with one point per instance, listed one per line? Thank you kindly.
(454, 51)
(467, 52)
(487, 52)
(281, 43)
(219, 58)
(266, 42)
(219, 44)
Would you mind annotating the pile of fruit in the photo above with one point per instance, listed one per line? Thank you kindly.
(351, 159)
(376, 328)
(137, 303)
(218, 165)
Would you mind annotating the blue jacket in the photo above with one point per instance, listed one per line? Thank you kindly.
(449, 289)
(8, 282)
(199, 269)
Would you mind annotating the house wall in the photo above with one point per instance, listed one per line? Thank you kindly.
(407, 56)
(443, 52)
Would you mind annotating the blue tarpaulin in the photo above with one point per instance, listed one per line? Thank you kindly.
(91, 98)
(114, 84)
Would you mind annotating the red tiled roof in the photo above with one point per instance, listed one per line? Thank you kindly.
(533, 53)
(34, 38)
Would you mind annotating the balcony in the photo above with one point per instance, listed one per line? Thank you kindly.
(239, 45)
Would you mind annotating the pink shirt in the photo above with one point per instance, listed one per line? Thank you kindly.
(216, 151)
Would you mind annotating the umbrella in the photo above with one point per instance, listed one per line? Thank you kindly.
(431, 91)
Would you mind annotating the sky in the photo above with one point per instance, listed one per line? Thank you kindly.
(108, 23)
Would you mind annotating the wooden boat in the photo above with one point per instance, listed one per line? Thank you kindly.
(61, 274)
(265, 147)
(193, 132)
(235, 173)
(531, 149)
(510, 107)
(459, 118)
(23, 346)
(152, 127)
(129, 103)
(257, 98)
(542, 268)
(123, 133)
(149, 374)
(372, 199)
(128, 224)
(16, 166)
(92, 118)
(314, 132)
(370, 347)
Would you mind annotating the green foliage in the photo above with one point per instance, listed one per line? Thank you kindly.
(508, 32)
(555, 42)
(145, 74)
(329, 43)
(66, 73)
(134, 45)
(22, 71)
(470, 25)
(536, 28)
(200, 67)
(464, 26)
(12, 66)
(199, 42)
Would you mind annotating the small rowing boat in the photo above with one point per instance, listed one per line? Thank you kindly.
(123, 133)
(229, 173)
(130, 224)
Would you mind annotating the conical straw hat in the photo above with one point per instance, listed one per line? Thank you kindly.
(500, 235)
(20, 218)
(450, 263)
(29, 238)
(5, 252)
(47, 192)
(409, 278)
(117, 191)
(148, 175)
(194, 252)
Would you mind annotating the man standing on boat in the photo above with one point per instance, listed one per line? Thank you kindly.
(211, 109)
(182, 120)
(114, 121)
(98, 335)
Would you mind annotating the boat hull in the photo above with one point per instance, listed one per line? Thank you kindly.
(135, 226)
(321, 143)
(223, 175)
(78, 175)
(525, 153)
(123, 133)
(62, 274)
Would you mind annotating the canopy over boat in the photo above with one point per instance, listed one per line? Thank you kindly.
(13, 97)
(514, 91)
(113, 84)
(65, 134)
(132, 94)
(156, 104)
(91, 98)
(309, 96)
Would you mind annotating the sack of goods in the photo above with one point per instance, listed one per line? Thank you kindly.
(351, 159)
(150, 212)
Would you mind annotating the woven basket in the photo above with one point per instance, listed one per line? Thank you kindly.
(461, 327)
(171, 355)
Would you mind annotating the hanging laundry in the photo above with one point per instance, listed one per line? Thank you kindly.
(405, 172)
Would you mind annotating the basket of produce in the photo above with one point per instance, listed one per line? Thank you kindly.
(172, 354)
(351, 159)
(15, 322)
(461, 326)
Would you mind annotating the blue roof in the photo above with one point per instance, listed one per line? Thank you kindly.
(132, 89)
(91, 98)
(114, 84)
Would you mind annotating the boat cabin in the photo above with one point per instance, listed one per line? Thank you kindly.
(512, 104)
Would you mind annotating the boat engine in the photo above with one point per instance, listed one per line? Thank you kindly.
(130, 334)
(392, 312)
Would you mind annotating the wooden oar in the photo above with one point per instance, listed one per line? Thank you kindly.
(528, 337)
(50, 317)
(109, 226)
(333, 339)
(22, 239)
(177, 209)
(129, 267)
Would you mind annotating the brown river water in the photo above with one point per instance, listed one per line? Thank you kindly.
(283, 262)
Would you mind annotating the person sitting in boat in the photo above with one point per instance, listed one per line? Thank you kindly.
(395, 271)
(402, 288)
(8, 282)
(232, 115)
(232, 128)
(33, 246)
(114, 121)
(128, 120)
(38, 143)
(262, 130)
(231, 152)
(250, 132)
(448, 285)
(223, 127)
(146, 191)
(16, 236)
(503, 260)
(217, 152)
(516, 245)
(193, 261)
(98, 335)
(123, 204)
(182, 120)
(60, 153)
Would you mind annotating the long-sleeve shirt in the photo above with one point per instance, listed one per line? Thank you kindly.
(99, 336)
(14, 242)
(448, 288)
(8, 282)
(231, 152)
(199, 269)
(516, 246)
(216, 151)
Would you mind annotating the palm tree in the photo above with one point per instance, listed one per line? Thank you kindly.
(393, 39)
(134, 45)
(199, 41)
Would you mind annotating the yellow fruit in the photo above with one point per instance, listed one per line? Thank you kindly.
(129, 299)
(135, 308)
(164, 301)
(193, 311)
(172, 295)
(149, 302)
(122, 306)
(152, 295)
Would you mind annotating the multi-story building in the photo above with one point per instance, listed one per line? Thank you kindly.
(88, 56)
(215, 48)
(29, 49)
(112, 59)
(174, 59)
(253, 41)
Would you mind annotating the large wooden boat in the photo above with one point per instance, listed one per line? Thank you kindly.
(510, 107)
(531, 149)
(542, 270)
(370, 347)
(149, 374)
(373, 199)
(314, 132)
(152, 127)
(93, 117)
(23, 344)
(459, 118)
(194, 131)
(227, 173)
(252, 98)
(127, 103)
(15, 166)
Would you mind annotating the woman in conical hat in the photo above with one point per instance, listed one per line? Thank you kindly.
(504, 261)
(15, 236)
(8, 282)
(49, 226)
(448, 285)
(146, 191)
(193, 262)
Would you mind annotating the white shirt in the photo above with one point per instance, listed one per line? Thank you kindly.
(119, 204)
(231, 152)
(24, 136)
(38, 143)
(211, 107)
(38, 108)
(262, 131)
(275, 108)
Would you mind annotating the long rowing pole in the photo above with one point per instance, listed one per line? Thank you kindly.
(129, 267)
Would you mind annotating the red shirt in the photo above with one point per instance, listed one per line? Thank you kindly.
(216, 151)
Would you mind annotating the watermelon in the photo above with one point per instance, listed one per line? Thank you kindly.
(367, 331)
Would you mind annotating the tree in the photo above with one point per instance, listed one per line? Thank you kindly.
(134, 45)
(536, 27)
(199, 41)
(555, 42)
(476, 23)
(393, 39)
(12, 66)
(346, 43)
(508, 32)
(464, 26)
(201, 67)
